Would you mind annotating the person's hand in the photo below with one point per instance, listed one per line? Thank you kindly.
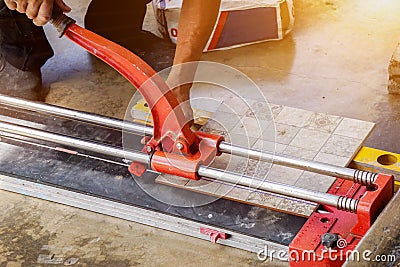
(182, 94)
(38, 10)
(180, 80)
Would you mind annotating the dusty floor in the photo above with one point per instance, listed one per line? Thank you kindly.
(334, 61)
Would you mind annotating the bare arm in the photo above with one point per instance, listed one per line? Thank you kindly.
(197, 20)
(196, 23)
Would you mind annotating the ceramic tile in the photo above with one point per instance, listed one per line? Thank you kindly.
(275, 109)
(251, 127)
(284, 175)
(299, 207)
(342, 146)
(205, 186)
(225, 189)
(262, 170)
(310, 139)
(260, 110)
(269, 132)
(354, 128)
(315, 181)
(204, 103)
(332, 159)
(254, 168)
(293, 116)
(264, 199)
(228, 162)
(300, 152)
(226, 120)
(233, 192)
(284, 133)
(269, 146)
(213, 127)
(235, 105)
(241, 140)
(323, 122)
(170, 179)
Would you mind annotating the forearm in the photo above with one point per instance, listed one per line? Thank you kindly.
(196, 23)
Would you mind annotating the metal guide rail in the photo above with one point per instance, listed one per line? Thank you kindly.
(347, 211)
(340, 202)
(359, 202)
(101, 183)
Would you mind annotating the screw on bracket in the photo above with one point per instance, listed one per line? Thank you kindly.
(179, 146)
(149, 149)
(329, 240)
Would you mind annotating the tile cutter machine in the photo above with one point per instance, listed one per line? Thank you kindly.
(346, 211)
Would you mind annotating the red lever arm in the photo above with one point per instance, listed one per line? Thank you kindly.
(169, 119)
(170, 126)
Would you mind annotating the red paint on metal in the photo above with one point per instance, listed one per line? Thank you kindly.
(213, 234)
(186, 165)
(170, 126)
(168, 117)
(306, 248)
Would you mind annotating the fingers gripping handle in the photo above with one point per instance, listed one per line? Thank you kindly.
(60, 21)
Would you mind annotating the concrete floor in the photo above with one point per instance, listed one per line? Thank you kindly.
(334, 61)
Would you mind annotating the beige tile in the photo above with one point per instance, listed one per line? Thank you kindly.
(254, 168)
(205, 186)
(247, 167)
(251, 127)
(300, 152)
(285, 133)
(213, 127)
(342, 146)
(276, 109)
(294, 116)
(227, 120)
(297, 206)
(260, 110)
(268, 146)
(171, 179)
(228, 162)
(269, 132)
(323, 122)
(315, 181)
(262, 170)
(264, 199)
(310, 139)
(284, 175)
(332, 159)
(354, 128)
(233, 192)
(241, 140)
(208, 104)
(235, 105)
(225, 189)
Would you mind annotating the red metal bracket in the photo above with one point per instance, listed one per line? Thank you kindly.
(174, 147)
(187, 165)
(306, 248)
(213, 234)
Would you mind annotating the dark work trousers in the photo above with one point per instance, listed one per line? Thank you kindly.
(25, 45)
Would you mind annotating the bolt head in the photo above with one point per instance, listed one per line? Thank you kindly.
(179, 146)
(149, 149)
(329, 240)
